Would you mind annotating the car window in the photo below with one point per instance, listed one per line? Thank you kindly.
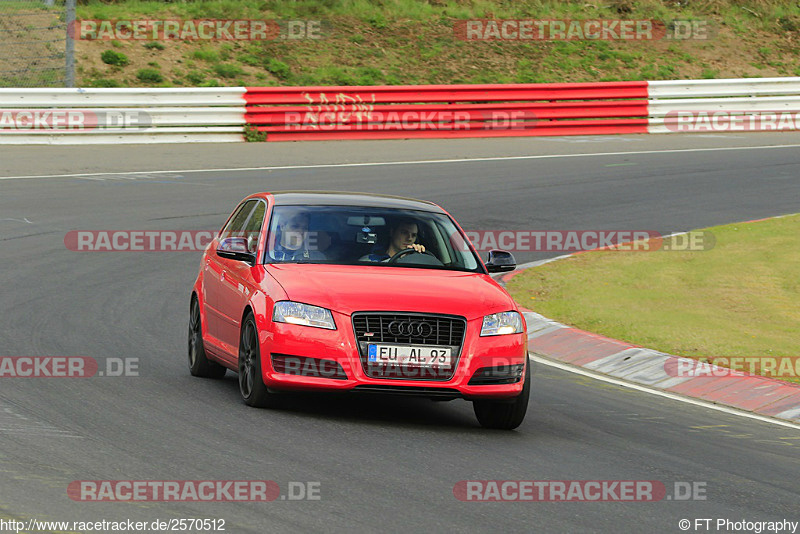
(350, 235)
(252, 227)
(235, 227)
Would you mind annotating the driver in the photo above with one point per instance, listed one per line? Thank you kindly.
(402, 235)
(292, 242)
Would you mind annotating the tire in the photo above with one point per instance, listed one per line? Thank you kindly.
(251, 384)
(504, 415)
(199, 364)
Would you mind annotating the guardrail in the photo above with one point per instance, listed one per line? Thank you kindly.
(394, 112)
(425, 111)
(750, 104)
(78, 116)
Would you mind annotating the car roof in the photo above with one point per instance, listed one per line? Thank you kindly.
(342, 198)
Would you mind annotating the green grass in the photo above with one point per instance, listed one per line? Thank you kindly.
(112, 57)
(227, 70)
(12, 6)
(412, 41)
(104, 82)
(150, 76)
(278, 68)
(379, 14)
(737, 299)
(206, 54)
(196, 78)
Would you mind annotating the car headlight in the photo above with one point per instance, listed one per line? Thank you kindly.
(290, 312)
(498, 324)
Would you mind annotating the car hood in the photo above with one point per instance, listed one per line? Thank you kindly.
(350, 288)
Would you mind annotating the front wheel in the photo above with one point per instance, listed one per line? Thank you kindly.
(199, 364)
(505, 415)
(251, 384)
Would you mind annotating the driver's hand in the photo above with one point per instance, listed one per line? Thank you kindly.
(418, 247)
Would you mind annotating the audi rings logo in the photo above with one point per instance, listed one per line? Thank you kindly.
(410, 329)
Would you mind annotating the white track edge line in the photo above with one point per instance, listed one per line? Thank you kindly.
(661, 393)
(414, 162)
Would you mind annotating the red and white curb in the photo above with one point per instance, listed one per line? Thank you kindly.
(768, 397)
(765, 396)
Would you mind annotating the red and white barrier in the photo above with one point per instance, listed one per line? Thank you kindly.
(722, 106)
(397, 112)
(104, 116)
(380, 112)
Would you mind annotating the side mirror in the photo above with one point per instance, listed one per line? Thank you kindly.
(235, 248)
(500, 261)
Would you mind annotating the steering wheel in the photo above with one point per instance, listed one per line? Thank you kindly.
(406, 251)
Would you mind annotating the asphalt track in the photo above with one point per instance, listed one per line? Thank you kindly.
(382, 464)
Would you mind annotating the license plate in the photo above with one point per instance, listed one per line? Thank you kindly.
(409, 355)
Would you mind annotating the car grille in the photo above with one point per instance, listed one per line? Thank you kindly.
(415, 391)
(427, 329)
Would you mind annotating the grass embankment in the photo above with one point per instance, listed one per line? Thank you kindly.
(739, 299)
(371, 42)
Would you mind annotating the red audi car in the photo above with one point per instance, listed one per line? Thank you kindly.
(358, 293)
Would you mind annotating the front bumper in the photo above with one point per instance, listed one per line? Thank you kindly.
(312, 345)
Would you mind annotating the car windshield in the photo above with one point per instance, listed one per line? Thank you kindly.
(380, 237)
